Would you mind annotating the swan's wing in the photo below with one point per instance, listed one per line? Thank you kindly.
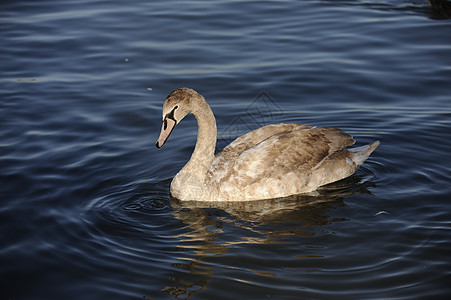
(255, 137)
(284, 154)
(226, 158)
(297, 152)
(258, 135)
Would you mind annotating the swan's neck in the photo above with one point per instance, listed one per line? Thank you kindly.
(204, 151)
(188, 183)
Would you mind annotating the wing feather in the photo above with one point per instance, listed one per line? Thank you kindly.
(274, 153)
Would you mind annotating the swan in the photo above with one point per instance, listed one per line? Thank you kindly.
(273, 161)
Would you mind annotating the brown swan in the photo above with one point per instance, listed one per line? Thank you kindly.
(273, 161)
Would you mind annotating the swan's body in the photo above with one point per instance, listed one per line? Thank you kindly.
(273, 161)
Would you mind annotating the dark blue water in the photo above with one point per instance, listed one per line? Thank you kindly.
(85, 210)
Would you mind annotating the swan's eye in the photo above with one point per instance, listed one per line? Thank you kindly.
(175, 107)
(165, 124)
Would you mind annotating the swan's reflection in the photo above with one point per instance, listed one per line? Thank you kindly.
(213, 228)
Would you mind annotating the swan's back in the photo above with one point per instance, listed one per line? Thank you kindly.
(280, 160)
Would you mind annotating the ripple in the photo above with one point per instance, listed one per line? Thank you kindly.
(143, 203)
(85, 194)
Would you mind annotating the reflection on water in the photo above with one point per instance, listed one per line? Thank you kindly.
(86, 212)
(287, 217)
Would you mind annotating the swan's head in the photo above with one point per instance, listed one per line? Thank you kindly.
(176, 106)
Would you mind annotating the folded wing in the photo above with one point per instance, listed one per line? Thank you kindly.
(280, 160)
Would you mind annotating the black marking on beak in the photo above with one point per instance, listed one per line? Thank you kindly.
(165, 125)
(171, 115)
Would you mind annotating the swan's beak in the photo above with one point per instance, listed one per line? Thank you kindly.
(166, 129)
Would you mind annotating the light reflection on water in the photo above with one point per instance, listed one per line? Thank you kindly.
(85, 207)
(297, 216)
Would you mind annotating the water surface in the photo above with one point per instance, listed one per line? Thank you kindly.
(85, 210)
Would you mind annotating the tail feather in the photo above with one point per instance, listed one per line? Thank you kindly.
(360, 154)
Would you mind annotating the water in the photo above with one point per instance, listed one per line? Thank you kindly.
(85, 208)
